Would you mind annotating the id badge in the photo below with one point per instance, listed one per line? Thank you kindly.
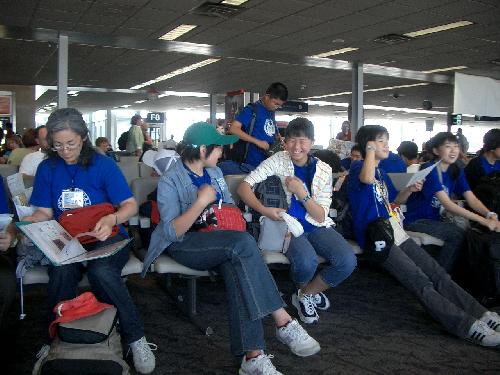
(72, 199)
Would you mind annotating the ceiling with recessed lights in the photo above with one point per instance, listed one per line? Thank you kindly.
(255, 43)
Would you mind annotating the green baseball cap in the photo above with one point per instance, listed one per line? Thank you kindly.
(203, 133)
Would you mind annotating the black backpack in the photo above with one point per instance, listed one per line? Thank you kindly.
(343, 219)
(238, 151)
(122, 141)
(488, 191)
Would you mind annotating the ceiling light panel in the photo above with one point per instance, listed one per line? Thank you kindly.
(176, 72)
(445, 69)
(234, 2)
(336, 52)
(437, 29)
(177, 32)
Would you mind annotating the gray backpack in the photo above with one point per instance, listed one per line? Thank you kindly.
(86, 346)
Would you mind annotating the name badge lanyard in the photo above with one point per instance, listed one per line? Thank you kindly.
(384, 192)
(72, 175)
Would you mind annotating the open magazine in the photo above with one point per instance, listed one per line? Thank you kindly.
(58, 245)
(20, 195)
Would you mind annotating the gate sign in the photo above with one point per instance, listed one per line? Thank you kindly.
(155, 118)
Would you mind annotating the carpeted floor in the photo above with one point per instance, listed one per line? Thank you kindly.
(374, 327)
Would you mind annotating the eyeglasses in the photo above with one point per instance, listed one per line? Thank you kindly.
(67, 147)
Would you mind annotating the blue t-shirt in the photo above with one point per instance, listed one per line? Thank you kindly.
(199, 181)
(4, 208)
(101, 182)
(487, 167)
(346, 163)
(264, 129)
(297, 209)
(393, 164)
(424, 204)
(366, 201)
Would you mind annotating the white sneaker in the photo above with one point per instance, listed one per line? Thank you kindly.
(321, 301)
(144, 359)
(306, 307)
(492, 319)
(481, 334)
(297, 339)
(260, 365)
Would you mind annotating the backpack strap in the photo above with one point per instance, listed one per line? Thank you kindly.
(251, 127)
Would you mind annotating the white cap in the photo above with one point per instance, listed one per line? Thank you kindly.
(160, 160)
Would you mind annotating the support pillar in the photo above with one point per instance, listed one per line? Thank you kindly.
(357, 98)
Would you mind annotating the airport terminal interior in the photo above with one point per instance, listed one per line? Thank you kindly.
(417, 68)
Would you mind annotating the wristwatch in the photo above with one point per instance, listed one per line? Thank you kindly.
(491, 214)
(305, 199)
(370, 148)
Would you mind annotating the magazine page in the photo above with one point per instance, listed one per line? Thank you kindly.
(20, 195)
(51, 238)
(420, 175)
(101, 252)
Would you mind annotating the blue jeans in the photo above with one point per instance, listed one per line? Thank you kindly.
(443, 299)
(232, 167)
(452, 236)
(251, 290)
(104, 276)
(329, 244)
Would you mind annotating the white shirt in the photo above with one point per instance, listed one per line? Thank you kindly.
(30, 162)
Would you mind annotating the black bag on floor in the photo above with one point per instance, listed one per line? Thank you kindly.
(87, 346)
(478, 268)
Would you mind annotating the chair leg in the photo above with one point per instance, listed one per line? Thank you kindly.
(21, 291)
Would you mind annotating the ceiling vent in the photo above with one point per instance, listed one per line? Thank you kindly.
(391, 39)
(216, 10)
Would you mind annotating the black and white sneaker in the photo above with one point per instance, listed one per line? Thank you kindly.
(492, 319)
(481, 334)
(321, 301)
(305, 307)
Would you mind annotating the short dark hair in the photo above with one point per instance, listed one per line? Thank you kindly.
(135, 119)
(355, 148)
(70, 119)
(330, 158)
(369, 133)
(277, 90)
(29, 138)
(491, 140)
(100, 140)
(300, 127)
(408, 149)
(190, 153)
(438, 140)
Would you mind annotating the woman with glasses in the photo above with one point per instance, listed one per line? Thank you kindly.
(75, 175)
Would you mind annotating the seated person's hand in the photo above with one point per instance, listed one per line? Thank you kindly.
(262, 144)
(295, 186)
(206, 195)
(417, 186)
(5, 240)
(104, 227)
(274, 213)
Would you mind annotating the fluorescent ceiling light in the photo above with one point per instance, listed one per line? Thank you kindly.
(177, 32)
(176, 72)
(140, 101)
(367, 90)
(445, 69)
(125, 105)
(437, 29)
(234, 2)
(184, 93)
(73, 92)
(379, 107)
(336, 52)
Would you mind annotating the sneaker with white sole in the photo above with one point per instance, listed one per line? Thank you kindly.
(492, 319)
(321, 301)
(144, 359)
(481, 334)
(305, 306)
(297, 339)
(260, 365)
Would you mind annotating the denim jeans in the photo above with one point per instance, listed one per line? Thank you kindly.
(250, 287)
(329, 244)
(452, 236)
(232, 167)
(443, 299)
(104, 276)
